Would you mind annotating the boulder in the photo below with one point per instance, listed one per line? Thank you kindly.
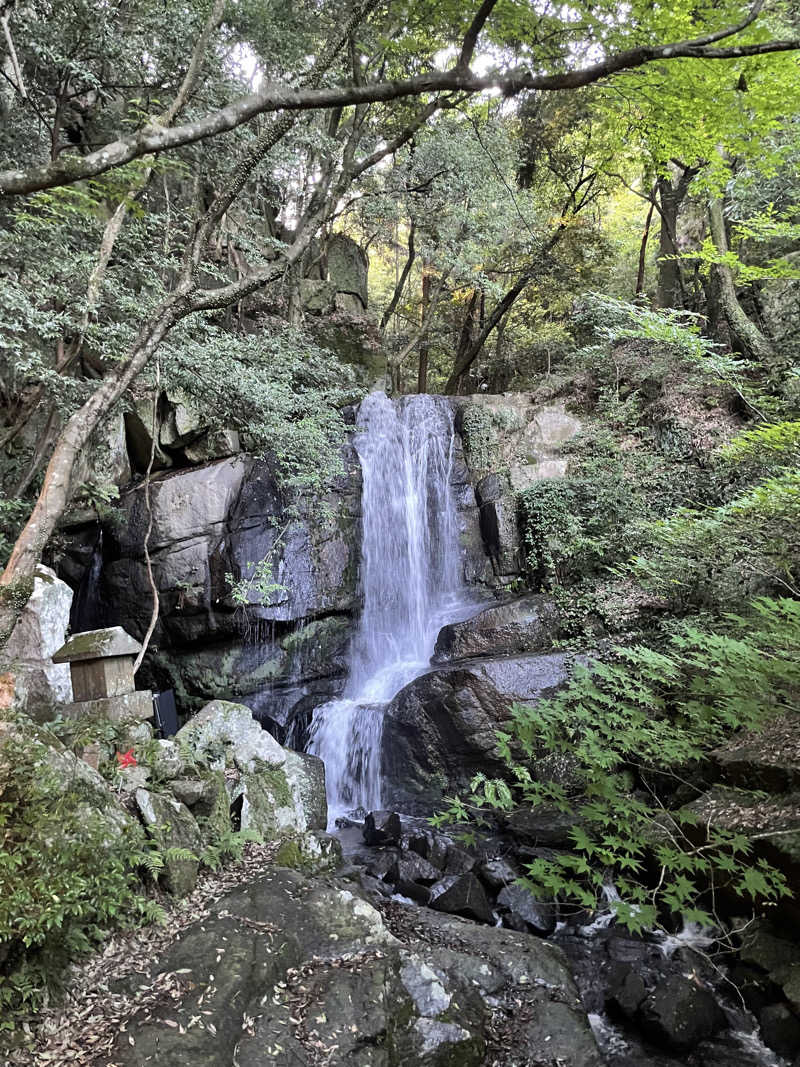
(225, 734)
(497, 872)
(440, 730)
(526, 624)
(275, 792)
(627, 994)
(348, 267)
(312, 967)
(382, 828)
(30, 682)
(461, 894)
(780, 1029)
(306, 777)
(412, 877)
(679, 1014)
(767, 759)
(431, 846)
(171, 826)
(538, 917)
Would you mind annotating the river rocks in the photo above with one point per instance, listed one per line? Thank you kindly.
(768, 759)
(32, 682)
(442, 728)
(679, 1014)
(461, 894)
(382, 828)
(526, 624)
(523, 908)
(313, 969)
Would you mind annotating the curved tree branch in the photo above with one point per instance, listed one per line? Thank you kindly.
(157, 138)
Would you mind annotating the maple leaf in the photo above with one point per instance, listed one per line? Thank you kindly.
(126, 759)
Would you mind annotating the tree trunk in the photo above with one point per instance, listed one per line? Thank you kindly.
(401, 281)
(465, 359)
(643, 250)
(424, 346)
(744, 336)
(671, 292)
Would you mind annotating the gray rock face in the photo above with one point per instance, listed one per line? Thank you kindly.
(313, 967)
(348, 267)
(519, 626)
(441, 729)
(461, 894)
(171, 825)
(35, 684)
(224, 518)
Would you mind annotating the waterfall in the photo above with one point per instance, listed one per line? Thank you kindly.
(411, 582)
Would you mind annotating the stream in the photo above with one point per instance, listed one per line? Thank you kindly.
(411, 582)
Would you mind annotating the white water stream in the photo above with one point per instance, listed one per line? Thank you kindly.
(411, 582)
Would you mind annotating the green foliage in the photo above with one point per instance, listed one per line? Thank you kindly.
(746, 545)
(677, 335)
(228, 847)
(64, 878)
(625, 735)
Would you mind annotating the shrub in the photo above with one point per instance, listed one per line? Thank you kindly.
(627, 729)
(64, 877)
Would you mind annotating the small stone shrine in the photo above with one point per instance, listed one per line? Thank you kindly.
(101, 665)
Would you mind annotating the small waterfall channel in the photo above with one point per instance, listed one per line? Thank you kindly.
(411, 582)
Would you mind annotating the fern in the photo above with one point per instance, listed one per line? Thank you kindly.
(626, 729)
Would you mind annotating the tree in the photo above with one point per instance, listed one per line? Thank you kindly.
(538, 53)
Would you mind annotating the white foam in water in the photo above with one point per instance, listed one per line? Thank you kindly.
(411, 581)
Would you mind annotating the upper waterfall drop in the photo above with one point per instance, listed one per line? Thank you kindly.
(411, 582)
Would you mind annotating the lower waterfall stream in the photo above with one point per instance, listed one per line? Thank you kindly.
(411, 582)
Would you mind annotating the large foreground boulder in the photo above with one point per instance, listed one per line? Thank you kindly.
(311, 974)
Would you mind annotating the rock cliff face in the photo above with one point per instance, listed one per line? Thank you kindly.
(282, 656)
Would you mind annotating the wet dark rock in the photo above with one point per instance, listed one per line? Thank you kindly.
(542, 825)
(431, 846)
(382, 828)
(540, 918)
(442, 728)
(627, 995)
(497, 872)
(458, 860)
(526, 624)
(461, 894)
(780, 1029)
(412, 868)
(679, 1014)
(374, 886)
(383, 865)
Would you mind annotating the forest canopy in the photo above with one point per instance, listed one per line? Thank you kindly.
(169, 172)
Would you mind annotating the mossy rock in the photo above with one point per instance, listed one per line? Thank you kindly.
(310, 853)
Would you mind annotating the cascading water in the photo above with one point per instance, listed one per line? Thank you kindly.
(411, 582)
